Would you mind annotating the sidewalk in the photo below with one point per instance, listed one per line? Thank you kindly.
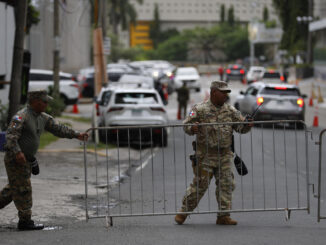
(319, 109)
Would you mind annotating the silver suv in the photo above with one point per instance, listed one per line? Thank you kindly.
(130, 105)
(281, 101)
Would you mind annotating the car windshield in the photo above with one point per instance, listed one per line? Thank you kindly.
(181, 72)
(271, 75)
(136, 98)
(280, 91)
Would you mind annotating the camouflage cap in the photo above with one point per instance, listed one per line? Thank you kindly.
(220, 85)
(39, 95)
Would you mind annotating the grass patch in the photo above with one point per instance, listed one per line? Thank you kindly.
(47, 138)
(78, 119)
(100, 146)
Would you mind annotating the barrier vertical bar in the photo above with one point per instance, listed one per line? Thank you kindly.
(252, 170)
(153, 196)
(141, 173)
(118, 149)
(274, 161)
(297, 162)
(107, 173)
(130, 182)
(286, 172)
(175, 171)
(162, 141)
(86, 180)
(263, 161)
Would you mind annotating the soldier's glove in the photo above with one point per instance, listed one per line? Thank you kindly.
(240, 166)
(34, 165)
(249, 118)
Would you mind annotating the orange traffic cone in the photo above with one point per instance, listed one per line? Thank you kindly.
(75, 109)
(311, 102)
(316, 121)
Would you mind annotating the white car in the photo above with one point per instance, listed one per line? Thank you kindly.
(132, 106)
(255, 73)
(189, 75)
(43, 79)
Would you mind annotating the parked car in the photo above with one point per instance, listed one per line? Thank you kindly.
(127, 105)
(235, 72)
(189, 75)
(272, 76)
(281, 101)
(43, 79)
(255, 73)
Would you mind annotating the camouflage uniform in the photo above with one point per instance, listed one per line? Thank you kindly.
(23, 135)
(213, 153)
(183, 97)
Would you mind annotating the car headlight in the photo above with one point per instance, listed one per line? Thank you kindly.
(155, 73)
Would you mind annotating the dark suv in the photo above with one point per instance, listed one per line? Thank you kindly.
(235, 72)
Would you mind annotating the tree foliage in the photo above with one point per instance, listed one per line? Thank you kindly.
(33, 16)
(294, 33)
(231, 16)
(265, 14)
(122, 12)
(222, 13)
(155, 27)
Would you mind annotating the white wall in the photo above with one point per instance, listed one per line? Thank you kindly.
(7, 32)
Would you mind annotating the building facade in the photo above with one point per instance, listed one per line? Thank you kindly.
(187, 14)
(75, 36)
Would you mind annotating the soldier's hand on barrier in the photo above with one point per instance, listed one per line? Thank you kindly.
(83, 137)
(249, 119)
(35, 167)
(20, 157)
(195, 128)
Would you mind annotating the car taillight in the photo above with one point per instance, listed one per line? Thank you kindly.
(85, 85)
(228, 71)
(260, 100)
(271, 71)
(157, 131)
(281, 88)
(282, 78)
(97, 107)
(235, 67)
(75, 85)
(241, 71)
(115, 109)
(157, 109)
(300, 102)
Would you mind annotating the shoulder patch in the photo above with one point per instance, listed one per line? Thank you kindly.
(192, 113)
(17, 118)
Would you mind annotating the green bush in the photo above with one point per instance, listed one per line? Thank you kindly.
(56, 106)
(3, 116)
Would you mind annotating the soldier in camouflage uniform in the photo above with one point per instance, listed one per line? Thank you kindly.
(22, 141)
(183, 97)
(213, 153)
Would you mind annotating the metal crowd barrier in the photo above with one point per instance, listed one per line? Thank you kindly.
(321, 180)
(145, 171)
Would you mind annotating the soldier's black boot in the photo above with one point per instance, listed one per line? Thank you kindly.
(29, 226)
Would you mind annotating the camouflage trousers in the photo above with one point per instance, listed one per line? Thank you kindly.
(203, 173)
(19, 188)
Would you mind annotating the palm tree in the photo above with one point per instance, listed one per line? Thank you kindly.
(122, 12)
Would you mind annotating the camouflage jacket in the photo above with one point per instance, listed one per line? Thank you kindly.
(214, 138)
(26, 127)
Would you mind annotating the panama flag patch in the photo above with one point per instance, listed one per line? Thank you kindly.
(192, 114)
(17, 118)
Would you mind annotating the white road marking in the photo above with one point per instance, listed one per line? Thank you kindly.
(143, 165)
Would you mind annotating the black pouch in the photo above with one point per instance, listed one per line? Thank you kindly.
(240, 166)
(34, 164)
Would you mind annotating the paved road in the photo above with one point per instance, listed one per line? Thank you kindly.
(253, 228)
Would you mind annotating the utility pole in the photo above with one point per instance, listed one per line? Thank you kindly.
(56, 50)
(17, 61)
(104, 17)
